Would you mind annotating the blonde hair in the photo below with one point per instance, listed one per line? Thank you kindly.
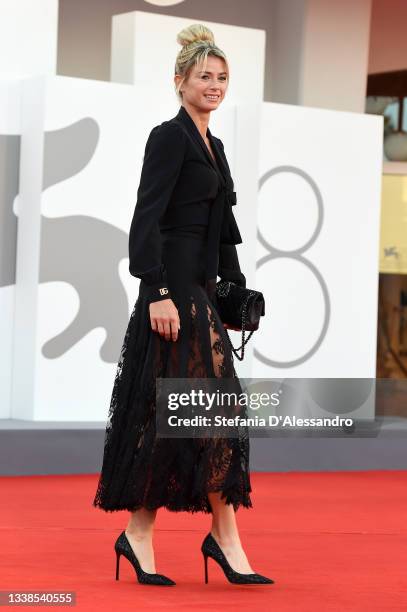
(197, 43)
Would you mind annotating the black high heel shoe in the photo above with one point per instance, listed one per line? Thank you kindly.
(210, 548)
(122, 547)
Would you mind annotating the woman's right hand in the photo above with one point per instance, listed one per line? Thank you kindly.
(165, 319)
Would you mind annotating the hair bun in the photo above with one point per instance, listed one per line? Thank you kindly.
(196, 32)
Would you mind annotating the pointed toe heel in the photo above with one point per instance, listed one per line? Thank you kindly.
(122, 547)
(210, 548)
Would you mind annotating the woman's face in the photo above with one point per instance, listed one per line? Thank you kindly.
(206, 90)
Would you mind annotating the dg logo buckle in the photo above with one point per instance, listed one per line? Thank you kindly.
(163, 291)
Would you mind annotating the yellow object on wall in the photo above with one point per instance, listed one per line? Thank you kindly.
(393, 226)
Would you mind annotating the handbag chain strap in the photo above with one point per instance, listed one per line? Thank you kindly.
(244, 341)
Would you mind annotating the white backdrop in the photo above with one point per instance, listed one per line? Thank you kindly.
(28, 37)
(144, 49)
(303, 176)
(28, 45)
(10, 129)
(318, 251)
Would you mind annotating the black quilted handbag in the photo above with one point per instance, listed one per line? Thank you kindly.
(241, 308)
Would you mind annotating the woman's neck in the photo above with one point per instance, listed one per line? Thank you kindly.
(200, 118)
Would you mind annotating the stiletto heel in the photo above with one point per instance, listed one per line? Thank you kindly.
(117, 565)
(210, 548)
(122, 547)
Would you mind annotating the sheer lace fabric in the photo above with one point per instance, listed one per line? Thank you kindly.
(142, 470)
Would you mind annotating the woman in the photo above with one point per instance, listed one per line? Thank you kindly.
(183, 234)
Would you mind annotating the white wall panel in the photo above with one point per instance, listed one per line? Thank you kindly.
(319, 218)
(82, 148)
(28, 37)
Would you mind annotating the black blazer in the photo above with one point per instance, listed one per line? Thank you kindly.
(181, 185)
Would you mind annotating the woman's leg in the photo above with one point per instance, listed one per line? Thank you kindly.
(224, 530)
(139, 533)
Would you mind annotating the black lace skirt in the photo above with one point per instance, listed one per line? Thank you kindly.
(140, 469)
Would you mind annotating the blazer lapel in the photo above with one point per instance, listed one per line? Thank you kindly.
(187, 121)
(222, 226)
(222, 164)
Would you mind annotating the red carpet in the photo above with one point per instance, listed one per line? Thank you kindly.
(331, 541)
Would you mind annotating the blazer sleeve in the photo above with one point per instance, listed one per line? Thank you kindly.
(163, 159)
(229, 267)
